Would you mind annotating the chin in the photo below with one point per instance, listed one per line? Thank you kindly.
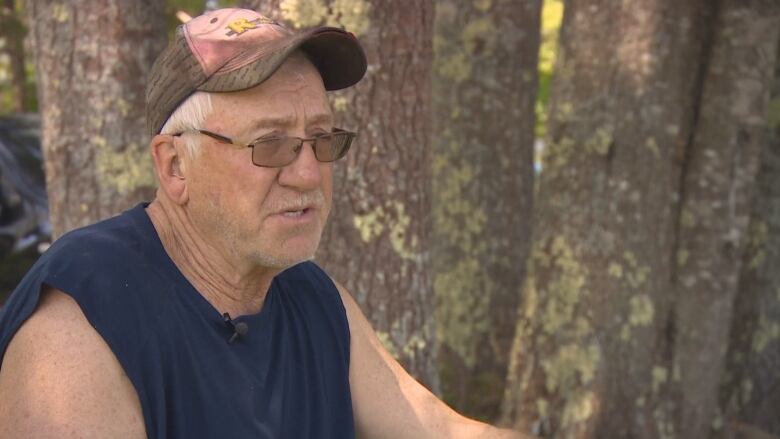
(287, 254)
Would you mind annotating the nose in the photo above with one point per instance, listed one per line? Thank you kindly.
(305, 172)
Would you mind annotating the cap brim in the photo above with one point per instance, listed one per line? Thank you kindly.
(335, 53)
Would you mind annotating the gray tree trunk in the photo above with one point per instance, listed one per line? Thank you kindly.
(377, 240)
(485, 81)
(654, 136)
(750, 395)
(719, 175)
(92, 60)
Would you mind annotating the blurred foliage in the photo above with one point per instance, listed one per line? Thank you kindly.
(552, 14)
(12, 25)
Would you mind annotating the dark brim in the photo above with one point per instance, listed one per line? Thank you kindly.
(335, 53)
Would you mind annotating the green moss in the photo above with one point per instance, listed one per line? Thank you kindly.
(636, 274)
(483, 5)
(479, 34)
(404, 245)
(60, 12)
(303, 13)
(556, 155)
(660, 377)
(579, 408)
(387, 342)
(615, 270)
(642, 310)
(687, 219)
(600, 142)
(123, 171)
(542, 407)
(564, 290)
(352, 15)
(462, 288)
(340, 103)
(758, 233)
(456, 67)
(766, 333)
(682, 257)
(370, 225)
(573, 364)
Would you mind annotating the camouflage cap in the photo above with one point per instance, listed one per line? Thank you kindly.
(235, 49)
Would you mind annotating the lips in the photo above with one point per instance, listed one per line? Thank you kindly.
(294, 213)
(294, 210)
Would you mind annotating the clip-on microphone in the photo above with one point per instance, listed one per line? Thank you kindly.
(239, 329)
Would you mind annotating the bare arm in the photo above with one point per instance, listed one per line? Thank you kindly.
(389, 403)
(59, 379)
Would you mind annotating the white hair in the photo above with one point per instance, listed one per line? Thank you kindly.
(190, 115)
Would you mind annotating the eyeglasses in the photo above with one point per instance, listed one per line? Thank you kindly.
(276, 152)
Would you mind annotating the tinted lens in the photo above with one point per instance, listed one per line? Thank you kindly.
(275, 152)
(331, 147)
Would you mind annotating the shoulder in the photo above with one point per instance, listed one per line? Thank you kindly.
(104, 242)
(308, 277)
(108, 278)
(58, 375)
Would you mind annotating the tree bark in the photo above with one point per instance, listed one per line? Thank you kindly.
(92, 61)
(751, 390)
(377, 240)
(653, 143)
(717, 187)
(485, 81)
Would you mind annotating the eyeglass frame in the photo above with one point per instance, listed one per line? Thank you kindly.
(301, 140)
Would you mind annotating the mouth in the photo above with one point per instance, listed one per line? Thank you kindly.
(295, 213)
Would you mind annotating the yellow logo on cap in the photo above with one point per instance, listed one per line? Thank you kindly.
(242, 25)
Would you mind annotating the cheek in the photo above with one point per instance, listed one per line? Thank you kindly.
(326, 171)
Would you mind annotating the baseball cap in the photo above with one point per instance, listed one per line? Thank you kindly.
(235, 49)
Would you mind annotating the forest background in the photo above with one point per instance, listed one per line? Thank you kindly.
(560, 216)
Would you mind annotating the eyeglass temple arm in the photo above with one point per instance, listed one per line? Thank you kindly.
(222, 138)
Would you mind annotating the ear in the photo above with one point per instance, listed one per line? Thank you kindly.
(169, 165)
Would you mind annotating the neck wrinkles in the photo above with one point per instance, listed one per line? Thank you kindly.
(229, 286)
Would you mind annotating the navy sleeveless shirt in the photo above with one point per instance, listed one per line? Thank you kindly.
(287, 377)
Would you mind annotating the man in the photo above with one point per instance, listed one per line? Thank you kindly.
(194, 315)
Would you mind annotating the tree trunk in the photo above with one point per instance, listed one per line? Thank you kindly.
(751, 390)
(654, 130)
(485, 81)
(12, 32)
(92, 60)
(377, 240)
(719, 179)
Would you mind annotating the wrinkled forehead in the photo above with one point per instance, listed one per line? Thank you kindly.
(294, 91)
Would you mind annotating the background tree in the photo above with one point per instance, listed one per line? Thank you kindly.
(654, 137)
(377, 239)
(92, 59)
(751, 391)
(484, 89)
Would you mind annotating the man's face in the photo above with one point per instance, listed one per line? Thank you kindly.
(269, 217)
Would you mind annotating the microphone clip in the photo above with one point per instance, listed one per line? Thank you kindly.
(239, 328)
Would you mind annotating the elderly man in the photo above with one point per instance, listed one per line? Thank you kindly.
(194, 316)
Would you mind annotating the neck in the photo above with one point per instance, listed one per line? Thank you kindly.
(230, 285)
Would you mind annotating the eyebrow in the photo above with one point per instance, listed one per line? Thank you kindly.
(286, 121)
